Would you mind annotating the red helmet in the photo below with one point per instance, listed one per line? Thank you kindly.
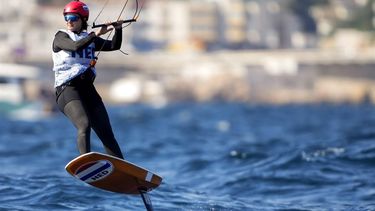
(77, 7)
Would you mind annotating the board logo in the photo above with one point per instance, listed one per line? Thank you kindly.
(94, 171)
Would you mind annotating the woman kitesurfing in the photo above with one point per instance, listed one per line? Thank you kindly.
(74, 67)
(74, 62)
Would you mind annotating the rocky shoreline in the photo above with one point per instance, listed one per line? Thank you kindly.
(276, 77)
(281, 77)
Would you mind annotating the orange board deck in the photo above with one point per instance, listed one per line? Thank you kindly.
(112, 174)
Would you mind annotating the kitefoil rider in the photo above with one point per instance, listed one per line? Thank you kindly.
(74, 67)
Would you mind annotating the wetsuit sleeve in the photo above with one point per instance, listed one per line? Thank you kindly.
(109, 45)
(62, 41)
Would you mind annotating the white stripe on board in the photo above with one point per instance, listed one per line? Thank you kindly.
(91, 168)
(149, 176)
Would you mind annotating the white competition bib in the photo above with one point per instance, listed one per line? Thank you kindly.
(69, 64)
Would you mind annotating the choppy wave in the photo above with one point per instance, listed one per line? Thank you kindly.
(212, 156)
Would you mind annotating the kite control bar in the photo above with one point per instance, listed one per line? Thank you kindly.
(113, 23)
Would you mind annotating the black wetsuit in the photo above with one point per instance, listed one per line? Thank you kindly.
(79, 100)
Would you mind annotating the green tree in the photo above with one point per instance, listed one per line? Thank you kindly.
(362, 18)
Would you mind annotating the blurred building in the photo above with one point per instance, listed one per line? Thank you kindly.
(225, 24)
(180, 25)
(204, 23)
(16, 17)
(295, 65)
(268, 26)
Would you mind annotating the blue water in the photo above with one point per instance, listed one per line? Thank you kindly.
(213, 156)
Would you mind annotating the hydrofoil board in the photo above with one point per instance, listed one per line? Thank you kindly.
(112, 174)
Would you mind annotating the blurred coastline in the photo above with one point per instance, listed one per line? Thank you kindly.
(239, 50)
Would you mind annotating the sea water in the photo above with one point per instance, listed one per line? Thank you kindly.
(212, 156)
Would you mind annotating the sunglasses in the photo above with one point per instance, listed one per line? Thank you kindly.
(71, 18)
